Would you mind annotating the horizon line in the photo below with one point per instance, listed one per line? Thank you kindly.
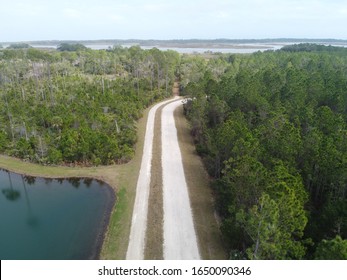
(278, 39)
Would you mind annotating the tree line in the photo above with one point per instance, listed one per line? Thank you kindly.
(77, 105)
(272, 130)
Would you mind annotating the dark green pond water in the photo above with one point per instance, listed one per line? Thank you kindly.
(52, 219)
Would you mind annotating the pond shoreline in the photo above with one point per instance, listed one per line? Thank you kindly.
(21, 167)
(108, 209)
(112, 199)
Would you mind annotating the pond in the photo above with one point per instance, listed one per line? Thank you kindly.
(52, 219)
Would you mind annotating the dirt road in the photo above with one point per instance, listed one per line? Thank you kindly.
(139, 219)
(180, 240)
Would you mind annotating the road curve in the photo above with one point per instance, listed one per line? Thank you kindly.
(137, 236)
(180, 240)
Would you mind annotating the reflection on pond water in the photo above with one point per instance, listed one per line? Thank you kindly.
(52, 218)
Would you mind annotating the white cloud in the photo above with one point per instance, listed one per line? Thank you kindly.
(116, 18)
(343, 12)
(222, 15)
(158, 7)
(22, 9)
(72, 13)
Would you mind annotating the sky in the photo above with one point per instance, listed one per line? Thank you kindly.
(29, 20)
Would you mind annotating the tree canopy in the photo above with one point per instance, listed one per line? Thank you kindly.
(19, 46)
(78, 107)
(272, 130)
(310, 47)
(71, 47)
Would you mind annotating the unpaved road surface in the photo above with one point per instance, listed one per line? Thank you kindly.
(180, 240)
(139, 219)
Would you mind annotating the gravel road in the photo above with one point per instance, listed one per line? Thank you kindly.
(180, 240)
(139, 219)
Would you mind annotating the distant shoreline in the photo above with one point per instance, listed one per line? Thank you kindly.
(188, 46)
(188, 43)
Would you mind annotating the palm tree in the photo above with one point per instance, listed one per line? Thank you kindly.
(31, 220)
(10, 193)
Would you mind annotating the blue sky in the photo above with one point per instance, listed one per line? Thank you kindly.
(25, 20)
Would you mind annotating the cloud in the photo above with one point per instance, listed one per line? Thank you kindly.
(343, 12)
(158, 7)
(22, 9)
(222, 15)
(72, 13)
(91, 15)
(116, 18)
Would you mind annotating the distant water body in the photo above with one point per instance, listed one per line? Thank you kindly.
(239, 49)
(52, 219)
(233, 49)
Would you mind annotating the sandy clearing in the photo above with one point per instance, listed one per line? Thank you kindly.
(180, 240)
(139, 219)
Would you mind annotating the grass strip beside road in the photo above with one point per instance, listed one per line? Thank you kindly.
(154, 233)
(200, 194)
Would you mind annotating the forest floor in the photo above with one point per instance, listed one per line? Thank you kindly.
(123, 179)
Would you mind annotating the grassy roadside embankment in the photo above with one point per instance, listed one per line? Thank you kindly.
(154, 234)
(200, 194)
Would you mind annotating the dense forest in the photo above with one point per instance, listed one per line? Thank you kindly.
(272, 130)
(76, 105)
